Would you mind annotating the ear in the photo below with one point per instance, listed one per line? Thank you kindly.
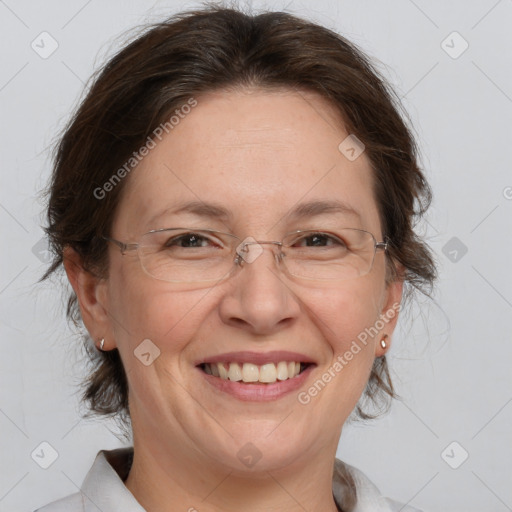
(91, 292)
(389, 315)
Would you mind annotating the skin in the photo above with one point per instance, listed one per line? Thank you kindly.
(257, 153)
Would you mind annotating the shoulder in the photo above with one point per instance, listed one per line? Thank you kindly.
(368, 498)
(71, 503)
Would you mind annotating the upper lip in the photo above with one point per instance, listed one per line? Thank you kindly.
(257, 358)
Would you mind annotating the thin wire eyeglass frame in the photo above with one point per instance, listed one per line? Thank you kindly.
(241, 247)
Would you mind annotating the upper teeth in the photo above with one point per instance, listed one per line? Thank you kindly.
(248, 372)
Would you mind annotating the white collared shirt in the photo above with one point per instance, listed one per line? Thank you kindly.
(104, 490)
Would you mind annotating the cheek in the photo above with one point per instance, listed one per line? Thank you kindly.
(346, 317)
(169, 320)
(347, 310)
(143, 308)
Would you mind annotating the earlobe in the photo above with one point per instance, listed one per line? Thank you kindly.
(389, 316)
(90, 291)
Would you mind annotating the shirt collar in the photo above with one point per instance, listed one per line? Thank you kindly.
(103, 488)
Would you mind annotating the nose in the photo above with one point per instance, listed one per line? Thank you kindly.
(260, 298)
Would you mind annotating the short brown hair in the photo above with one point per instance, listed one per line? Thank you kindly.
(217, 48)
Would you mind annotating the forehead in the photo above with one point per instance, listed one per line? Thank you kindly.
(256, 153)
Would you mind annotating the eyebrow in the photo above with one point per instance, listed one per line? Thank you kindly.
(315, 208)
(301, 211)
(198, 208)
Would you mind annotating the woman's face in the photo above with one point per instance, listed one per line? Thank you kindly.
(259, 156)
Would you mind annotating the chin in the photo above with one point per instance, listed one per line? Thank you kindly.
(261, 447)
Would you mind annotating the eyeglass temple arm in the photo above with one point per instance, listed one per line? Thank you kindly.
(124, 247)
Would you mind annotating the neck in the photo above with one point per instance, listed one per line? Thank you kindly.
(165, 482)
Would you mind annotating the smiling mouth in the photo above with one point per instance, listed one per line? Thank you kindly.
(248, 373)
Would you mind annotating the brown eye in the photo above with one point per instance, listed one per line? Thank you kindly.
(318, 240)
(192, 240)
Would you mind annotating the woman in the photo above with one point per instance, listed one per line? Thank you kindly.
(233, 205)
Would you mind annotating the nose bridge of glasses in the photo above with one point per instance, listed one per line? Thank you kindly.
(261, 242)
(245, 254)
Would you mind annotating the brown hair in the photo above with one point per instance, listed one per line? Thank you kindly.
(220, 48)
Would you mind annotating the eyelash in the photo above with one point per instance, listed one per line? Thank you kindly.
(199, 237)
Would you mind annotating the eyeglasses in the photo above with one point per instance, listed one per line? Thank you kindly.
(187, 255)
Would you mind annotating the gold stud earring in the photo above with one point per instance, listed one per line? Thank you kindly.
(383, 343)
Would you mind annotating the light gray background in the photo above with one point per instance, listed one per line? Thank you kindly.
(451, 356)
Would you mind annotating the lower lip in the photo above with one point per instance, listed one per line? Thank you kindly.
(257, 392)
